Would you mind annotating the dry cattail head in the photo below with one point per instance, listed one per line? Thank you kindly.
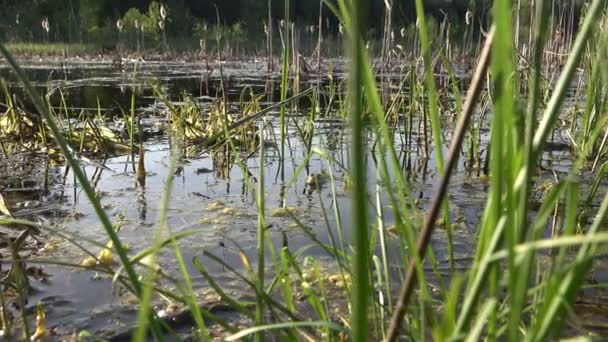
(163, 12)
(387, 4)
(45, 24)
(468, 17)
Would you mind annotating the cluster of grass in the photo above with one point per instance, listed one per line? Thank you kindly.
(50, 49)
(508, 293)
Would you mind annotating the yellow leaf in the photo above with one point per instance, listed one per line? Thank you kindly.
(3, 208)
(41, 333)
(150, 261)
(88, 262)
(105, 257)
(245, 261)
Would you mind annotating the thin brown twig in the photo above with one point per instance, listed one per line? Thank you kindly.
(429, 221)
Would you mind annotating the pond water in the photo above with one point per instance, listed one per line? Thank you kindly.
(210, 192)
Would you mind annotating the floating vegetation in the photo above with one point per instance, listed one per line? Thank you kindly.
(104, 258)
(42, 333)
(283, 212)
(215, 206)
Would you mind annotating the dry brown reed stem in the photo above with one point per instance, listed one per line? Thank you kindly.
(269, 37)
(320, 36)
(475, 88)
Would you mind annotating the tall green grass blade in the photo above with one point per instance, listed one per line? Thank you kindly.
(259, 317)
(356, 28)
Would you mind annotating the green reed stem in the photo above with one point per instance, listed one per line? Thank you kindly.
(431, 92)
(523, 275)
(284, 76)
(361, 287)
(429, 78)
(132, 124)
(259, 312)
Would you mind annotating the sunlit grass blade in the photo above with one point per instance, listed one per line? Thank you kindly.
(287, 325)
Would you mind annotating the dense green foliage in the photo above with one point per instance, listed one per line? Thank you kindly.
(85, 21)
(135, 23)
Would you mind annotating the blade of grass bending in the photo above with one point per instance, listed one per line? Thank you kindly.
(209, 141)
(82, 179)
(429, 221)
(564, 289)
(287, 325)
(223, 295)
(481, 269)
(482, 318)
(268, 299)
(552, 243)
(189, 295)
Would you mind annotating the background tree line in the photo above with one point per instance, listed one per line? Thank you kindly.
(97, 21)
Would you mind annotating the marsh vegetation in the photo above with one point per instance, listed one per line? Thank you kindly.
(433, 177)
